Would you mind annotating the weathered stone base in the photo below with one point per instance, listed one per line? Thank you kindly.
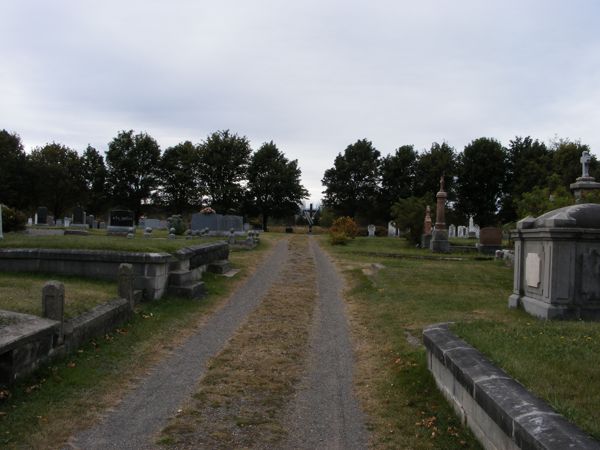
(545, 310)
(439, 242)
(425, 240)
(501, 413)
(488, 249)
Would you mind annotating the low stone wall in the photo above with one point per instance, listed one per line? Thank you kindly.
(151, 270)
(501, 412)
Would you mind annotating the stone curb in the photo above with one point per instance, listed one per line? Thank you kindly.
(527, 421)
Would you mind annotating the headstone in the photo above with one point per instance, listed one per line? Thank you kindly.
(67, 222)
(490, 240)
(50, 221)
(426, 236)
(556, 262)
(126, 281)
(79, 216)
(53, 303)
(371, 229)
(439, 238)
(90, 220)
(392, 230)
(41, 216)
(452, 231)
(30, 221)
(155, 224)
(121, 222)
(59, 222)
(217, 224)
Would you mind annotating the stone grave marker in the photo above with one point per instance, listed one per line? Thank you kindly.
(41, 216)
(53, 303)
(121, 222)
(78, 216)
(217, 224)
(490, 240)
(392, 230)
(371, 229)
(439, 238)
(452, 231)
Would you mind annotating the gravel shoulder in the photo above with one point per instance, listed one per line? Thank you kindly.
(144, 411)
(325, 412)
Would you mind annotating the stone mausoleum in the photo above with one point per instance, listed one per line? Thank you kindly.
(557, 264)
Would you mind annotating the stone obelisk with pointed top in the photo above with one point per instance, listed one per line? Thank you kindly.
(439, 239)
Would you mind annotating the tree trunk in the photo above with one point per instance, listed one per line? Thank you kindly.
(265, 219)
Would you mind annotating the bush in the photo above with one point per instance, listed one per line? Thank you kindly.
(12, 219)
(345, 225)
(176, 221)
(338, 238)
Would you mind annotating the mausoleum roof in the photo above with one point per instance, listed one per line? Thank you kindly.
(584, 215)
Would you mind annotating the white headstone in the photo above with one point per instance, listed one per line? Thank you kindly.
(452, 231)
(371, 230)
(392, 230)
(30, 221)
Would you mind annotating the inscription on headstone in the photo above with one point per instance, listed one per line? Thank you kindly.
(121, 218)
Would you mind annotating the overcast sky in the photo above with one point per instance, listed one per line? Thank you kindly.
(313, 76)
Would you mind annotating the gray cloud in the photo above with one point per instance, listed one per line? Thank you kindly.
(312, 76)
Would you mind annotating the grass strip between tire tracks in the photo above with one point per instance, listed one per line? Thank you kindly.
(241, 401)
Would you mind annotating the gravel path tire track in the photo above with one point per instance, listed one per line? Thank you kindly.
(144, 411)
(325, 413)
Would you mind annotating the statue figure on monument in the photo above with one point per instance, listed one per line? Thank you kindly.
(585, 164)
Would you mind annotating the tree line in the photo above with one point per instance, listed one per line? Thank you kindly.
(222, 172)
(495, 184)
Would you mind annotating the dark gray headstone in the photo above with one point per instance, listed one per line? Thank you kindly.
(42, 215)
(121, 218)
(78, 215)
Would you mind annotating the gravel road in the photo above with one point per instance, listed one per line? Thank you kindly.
(325, 413)
(135, 422)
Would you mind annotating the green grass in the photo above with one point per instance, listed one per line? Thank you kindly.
(22, 292)
(43, 410)
(100, 241)
(560, 361)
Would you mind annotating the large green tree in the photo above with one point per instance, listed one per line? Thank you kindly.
(132, 162)
(58, 178)
(439, 160)
(528, 164)
(224, 166)
(274, 183)
(481, 171)
(14, 172)
(94, 175)
(351, 185)
(397, 177)
(182, 185)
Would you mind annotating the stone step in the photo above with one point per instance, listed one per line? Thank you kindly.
(219, 267)
(180, 277)
(191, 290)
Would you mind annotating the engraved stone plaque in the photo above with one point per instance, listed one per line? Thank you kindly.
(532, 269)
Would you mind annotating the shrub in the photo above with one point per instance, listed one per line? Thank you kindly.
(176, 221)
(12, 219)
(338, 238)
(345, 225)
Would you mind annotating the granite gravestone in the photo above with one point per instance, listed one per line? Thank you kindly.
(439, 238)
(121, 222)
(78, 216)
(490, 240)
(41, 216)
(217, 224)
